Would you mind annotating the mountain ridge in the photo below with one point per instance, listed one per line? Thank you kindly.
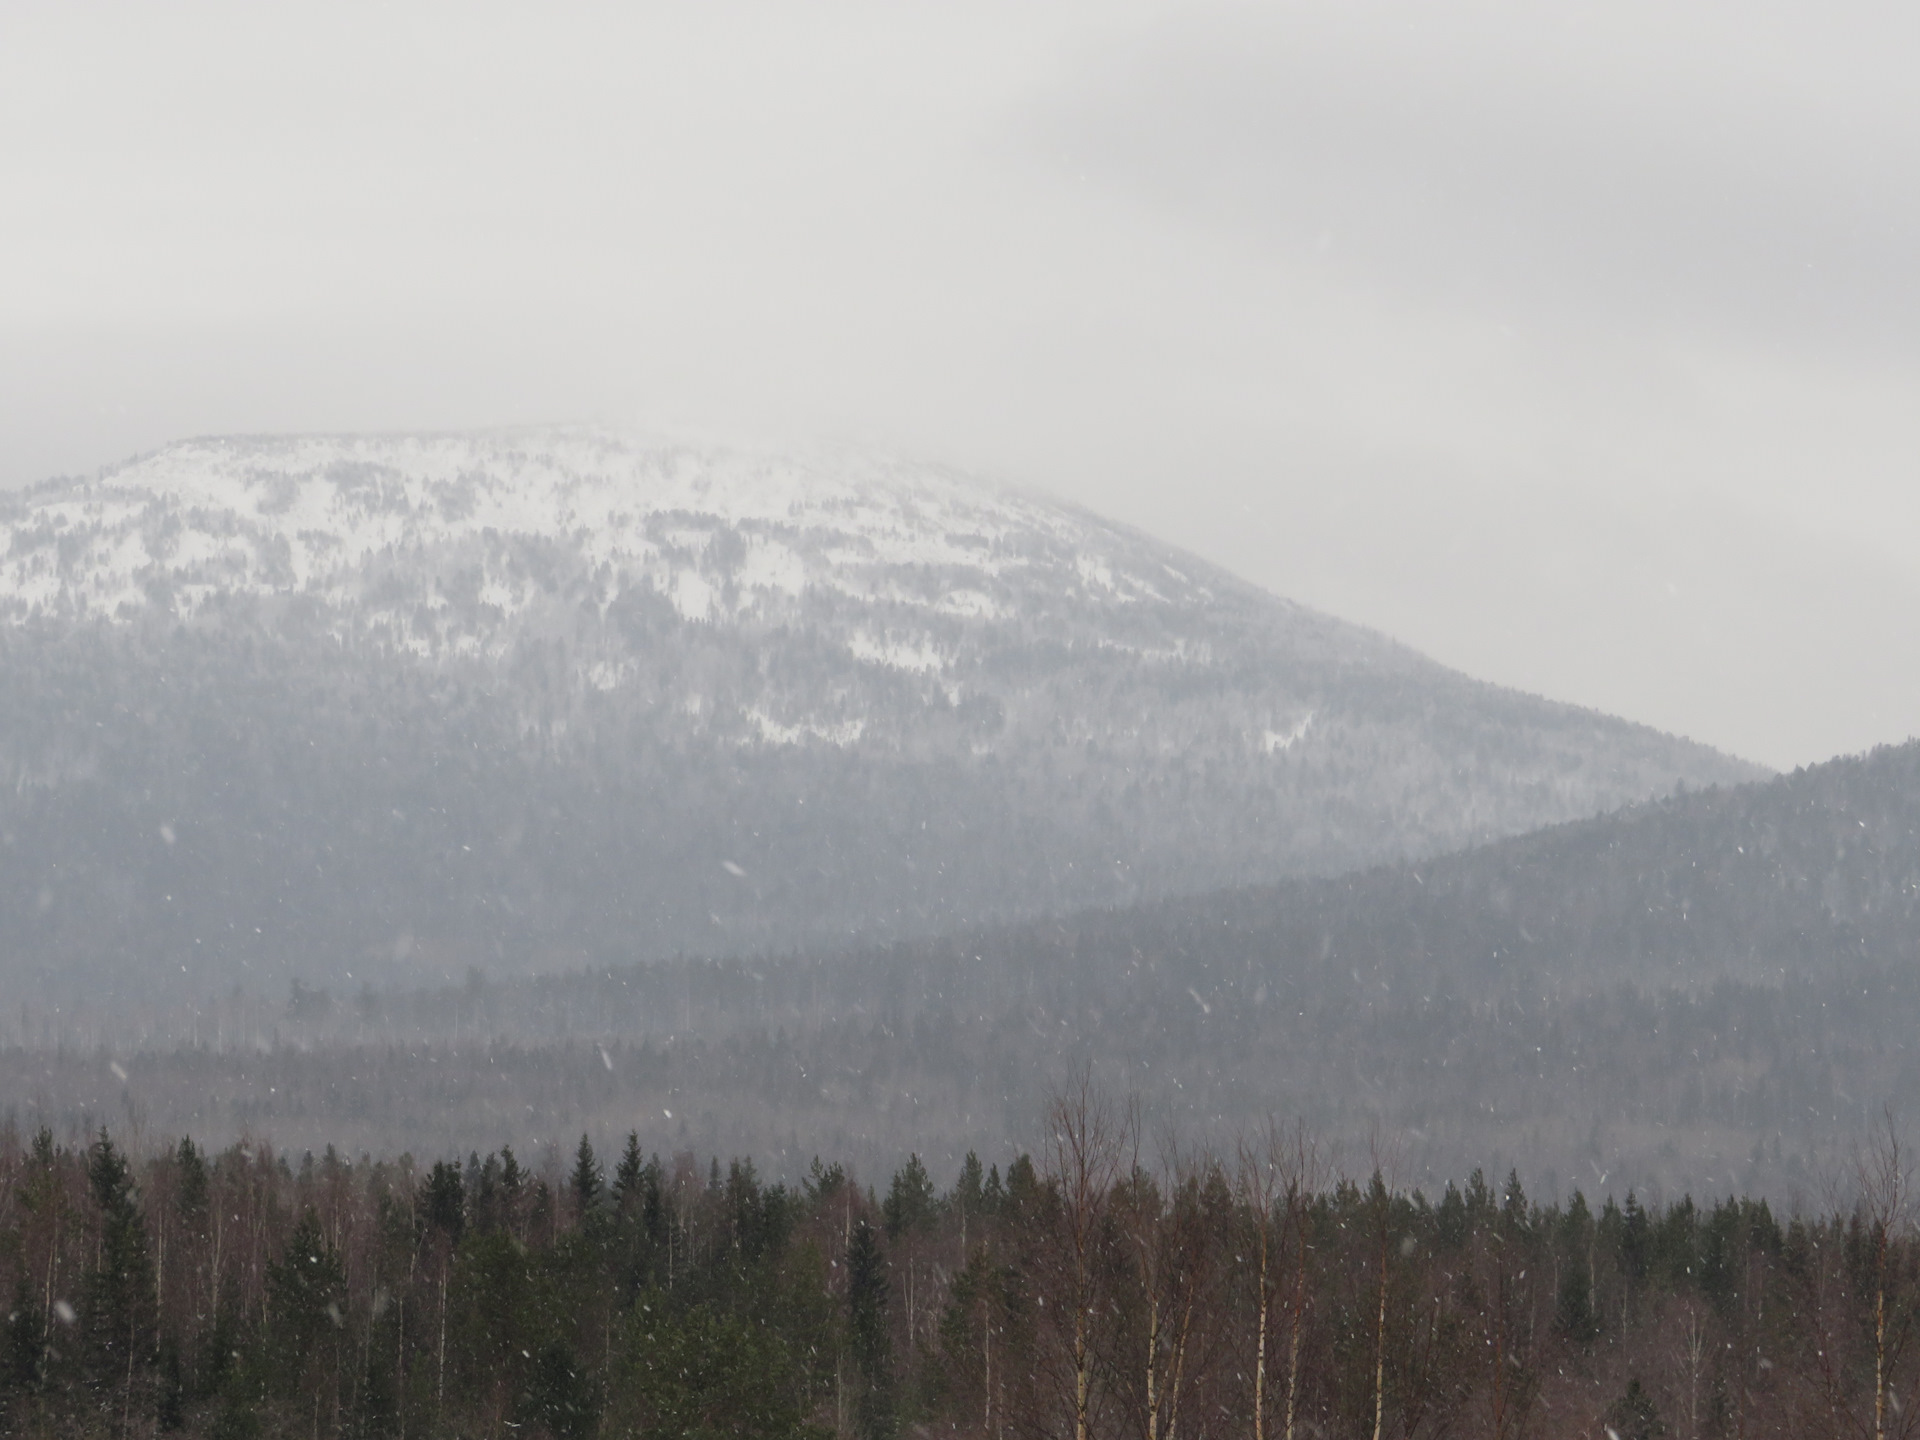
(543, 697)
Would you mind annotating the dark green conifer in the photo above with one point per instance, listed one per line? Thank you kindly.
(1450, 1224)
(513, 1182)
(823, 1182)
(873, 1411)
(1575, 1315)
(558, 1400)
(967, 1189)
(626, 1177)
(306, 1289)
(120, 1293)
(191, 1192)
(1514, 1213)
(993, 1195)
(171, 1408)
(26, 1338)
(1023, 1184)
(585, 1184)
(909, 1203)
(1633, 1416)
(443, 1201)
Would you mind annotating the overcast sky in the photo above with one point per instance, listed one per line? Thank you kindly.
(1578, 345)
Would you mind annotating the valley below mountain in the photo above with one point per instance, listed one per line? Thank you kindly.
(1709, 994)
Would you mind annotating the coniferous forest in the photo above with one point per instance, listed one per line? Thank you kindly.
(1112, 1285)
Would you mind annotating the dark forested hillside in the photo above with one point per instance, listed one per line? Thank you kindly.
(1104, 1288)
(1719, 988)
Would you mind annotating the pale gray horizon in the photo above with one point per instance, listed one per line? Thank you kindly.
(1575, 346)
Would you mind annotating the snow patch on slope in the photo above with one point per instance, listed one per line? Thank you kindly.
(842, 733)
(1278, 742)
(921, 656)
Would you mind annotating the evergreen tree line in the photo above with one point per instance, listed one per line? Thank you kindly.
(1103, 1289)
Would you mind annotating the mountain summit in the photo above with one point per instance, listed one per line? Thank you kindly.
(391, 705)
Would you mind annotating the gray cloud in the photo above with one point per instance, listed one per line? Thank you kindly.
(1512, 157)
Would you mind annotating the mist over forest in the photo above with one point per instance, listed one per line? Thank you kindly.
(1709, 991)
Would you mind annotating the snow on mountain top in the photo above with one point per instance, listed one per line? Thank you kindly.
(307, 515)
(541, 482)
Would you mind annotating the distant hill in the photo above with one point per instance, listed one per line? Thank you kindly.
(378, 709)
(1783, 880)
(1711, 992)
(1807, 879)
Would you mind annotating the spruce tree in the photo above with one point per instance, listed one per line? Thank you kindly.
(873, 1417)
(626, 1178)
(513, 1181)
(967, 1189)
(909, 1204)
(993, 1195)
(586, 1184)
(304, 1289)
(171, 1408)
(443, 1201)
(558, 1400)
(824, 1182)
(1574, 1315)
(23, 1364)
(968, 1194)
(1633, 1416)
(191, 1190)
(120, 1291)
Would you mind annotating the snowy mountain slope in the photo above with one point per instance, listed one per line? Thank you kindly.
(465, 546)
(313, 516)
(530, 698)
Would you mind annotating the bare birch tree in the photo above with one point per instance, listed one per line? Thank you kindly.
(1084, 1155)
(1884, 1174)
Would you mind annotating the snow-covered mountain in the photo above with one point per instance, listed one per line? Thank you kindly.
(433, 544)
(515, 699)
